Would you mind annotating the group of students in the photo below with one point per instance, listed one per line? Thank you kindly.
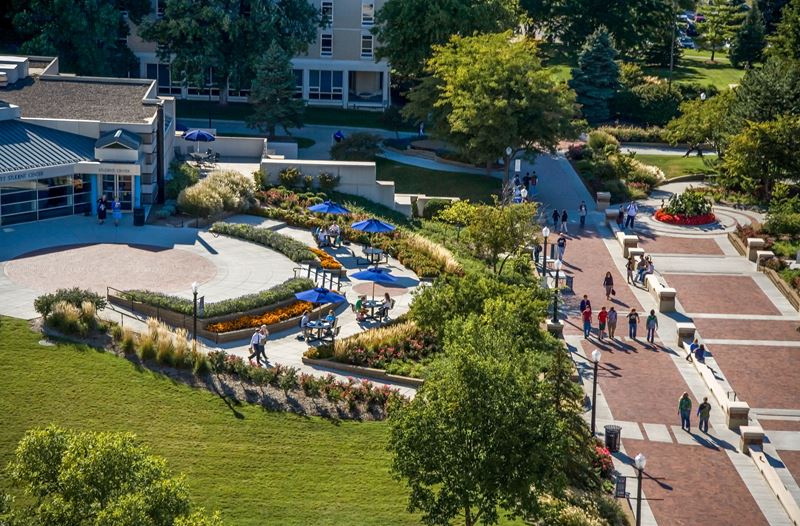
(685, 410)
(607, 318)
(626, 215)
(525, 187)
(644, 267)
(361, 310)
(324, 235)
(103, 206)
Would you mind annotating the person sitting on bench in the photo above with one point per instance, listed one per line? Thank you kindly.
(386, 306)
(322, 238)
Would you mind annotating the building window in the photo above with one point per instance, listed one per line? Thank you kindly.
(160, 8)
(326, 45)
(366, 45)
(298, 83)
(324, 85)
(161, 73)
(367, 13)
(327, 13)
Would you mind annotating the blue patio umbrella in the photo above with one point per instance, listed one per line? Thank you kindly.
(375, 275)
(199, 136)
(373, 226)
(320, 296)
(329, 207)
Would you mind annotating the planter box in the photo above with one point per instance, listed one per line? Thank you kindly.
(788, 292)
(369, 372)
(244, 334)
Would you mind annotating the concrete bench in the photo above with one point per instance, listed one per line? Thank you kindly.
(636, 252)
(627, 242)
(754, 244)
(666, 299)
(685, 332)
(611, 216)
(763, 255)
(750, 436)
(603, 200)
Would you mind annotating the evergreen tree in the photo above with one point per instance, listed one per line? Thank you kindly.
(786, 41)
(748, 44)
(596, 78)
(718, 26)
(771, 11)
(272, 93)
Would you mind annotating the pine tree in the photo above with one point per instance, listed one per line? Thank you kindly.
(719, 24)
(596, 78)
(272, 93)
(748, 44)
(786, 41)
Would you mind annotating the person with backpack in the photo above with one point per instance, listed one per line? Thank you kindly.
(582, 211)
(631, 212)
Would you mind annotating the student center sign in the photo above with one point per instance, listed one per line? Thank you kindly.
(65, 141)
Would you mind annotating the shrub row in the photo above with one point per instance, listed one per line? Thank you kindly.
(265, 298)
(76, 321)
(289, 247)
(75, 296)
(229, 191)
(292, 177)
(635, 133)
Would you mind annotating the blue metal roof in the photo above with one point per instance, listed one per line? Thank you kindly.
(26, 146)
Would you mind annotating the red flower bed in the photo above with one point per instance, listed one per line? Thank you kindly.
(680, 219)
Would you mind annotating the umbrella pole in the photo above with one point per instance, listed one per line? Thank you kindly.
(373, 291)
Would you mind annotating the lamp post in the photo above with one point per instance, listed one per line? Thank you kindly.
(545, 235)
(194, 312)
(509, 151)
(557, 265)
(639, 461)
(596, 359)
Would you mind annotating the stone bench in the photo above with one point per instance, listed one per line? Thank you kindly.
(664, 296)
(626, 241)
(603, 200)
(611, 216)
(750, 436)
(636, 252)
(685, 332)
(754, 244)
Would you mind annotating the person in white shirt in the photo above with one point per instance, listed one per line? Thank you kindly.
(304, 324)
(386, 306)
(631, 212)
(582, 211)
(257, 344)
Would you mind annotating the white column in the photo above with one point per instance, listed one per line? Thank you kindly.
(345, 88)
(305, 83)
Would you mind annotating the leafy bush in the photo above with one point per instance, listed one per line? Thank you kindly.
(786, 248)
(783, 223)
(308, 183)
(578, 152)
(74, 296)
(777, 264)
(290, 176)
(650, 103)
(359, 146)
(328, 181)
(602, 142)
(635, 133)
(200, 201)
(264, 298)
(183, 175)
(689, 203)
(68, 319)
(433, 207)
(289, 247)
(228, 190)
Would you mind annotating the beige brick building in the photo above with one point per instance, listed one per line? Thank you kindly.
(339, 68)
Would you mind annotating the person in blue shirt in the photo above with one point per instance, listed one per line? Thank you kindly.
(331, 317)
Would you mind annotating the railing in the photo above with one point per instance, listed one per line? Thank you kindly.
(168, 316)
(330, 279)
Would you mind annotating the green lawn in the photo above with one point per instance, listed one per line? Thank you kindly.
(238, 111)
(677, 165)
(256, 467)
(695, 66)
(414, 180)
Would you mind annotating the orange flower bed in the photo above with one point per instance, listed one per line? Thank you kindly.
(268, 318)
(326, 260)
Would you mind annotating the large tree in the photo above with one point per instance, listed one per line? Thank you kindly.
(719, 24)
(785, 43)
(273, 93)
(487, 93)
(748, 44)
(596, 79)
(765, 93)
(228, 37)
(87, 35)
(762, 154)
(98, 479)
(407, 29)
(702, 122)
(771, 10)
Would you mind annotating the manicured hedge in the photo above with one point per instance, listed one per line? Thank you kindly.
(289, 247)
(264, 298)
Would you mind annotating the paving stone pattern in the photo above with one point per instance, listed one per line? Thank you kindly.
(679, 245)
(778, 330)
(720, 294)
(764, 376)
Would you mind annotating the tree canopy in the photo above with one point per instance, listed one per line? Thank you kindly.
(596, 79)
(748, 44)
(272, 93)
(407, 29)
(220, 34)
(97, 479)
(702, 122)
(719, 25)
(87, 36)
(785, 43)
(486, 93)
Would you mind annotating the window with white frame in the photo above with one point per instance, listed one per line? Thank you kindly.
(326, 44)
(324, 85)
(366, 45)
(327, 13)
(367, 13)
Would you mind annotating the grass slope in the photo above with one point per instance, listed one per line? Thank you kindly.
(695, 66)
(255, 467)
(414, 180)
(677, 165)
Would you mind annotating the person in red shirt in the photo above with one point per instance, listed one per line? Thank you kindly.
(602, 316)
(587, 322)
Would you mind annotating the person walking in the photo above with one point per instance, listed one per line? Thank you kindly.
(703, 412)
(608, 284)
(631, 212)
(561, 245)
(526, 181)
(692, 348)
(633, 323)
(602, 318)
(116, 210)
(102, 209)
(564, 221)
(612, 322)
(651, 324)
(620, 217)
(534, 182)
(585, 303)
(586, 314)
(630, 266)
(700, 353)
(685, 410)
(257, 344)
(582, 211)
(556, 217)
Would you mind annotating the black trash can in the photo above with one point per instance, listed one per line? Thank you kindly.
(613, 436)
(138, 216)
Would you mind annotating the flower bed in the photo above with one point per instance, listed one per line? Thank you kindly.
(326, 260)
(680, 219)
(268, 318)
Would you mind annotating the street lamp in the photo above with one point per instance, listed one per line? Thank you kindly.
(545, 235)
(596, 359)
(194, 312)
(639, 461)
(557, 265)
(509, 151)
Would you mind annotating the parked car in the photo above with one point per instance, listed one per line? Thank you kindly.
(687, 43)
(691, 30)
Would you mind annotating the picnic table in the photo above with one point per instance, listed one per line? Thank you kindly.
(319, 326)
(374, 255)
(372, 305)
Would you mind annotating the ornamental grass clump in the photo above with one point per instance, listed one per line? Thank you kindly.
(146, 348)
(128, 341)
(67, 319)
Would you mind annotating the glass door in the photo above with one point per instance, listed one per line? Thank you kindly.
(120, 186)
